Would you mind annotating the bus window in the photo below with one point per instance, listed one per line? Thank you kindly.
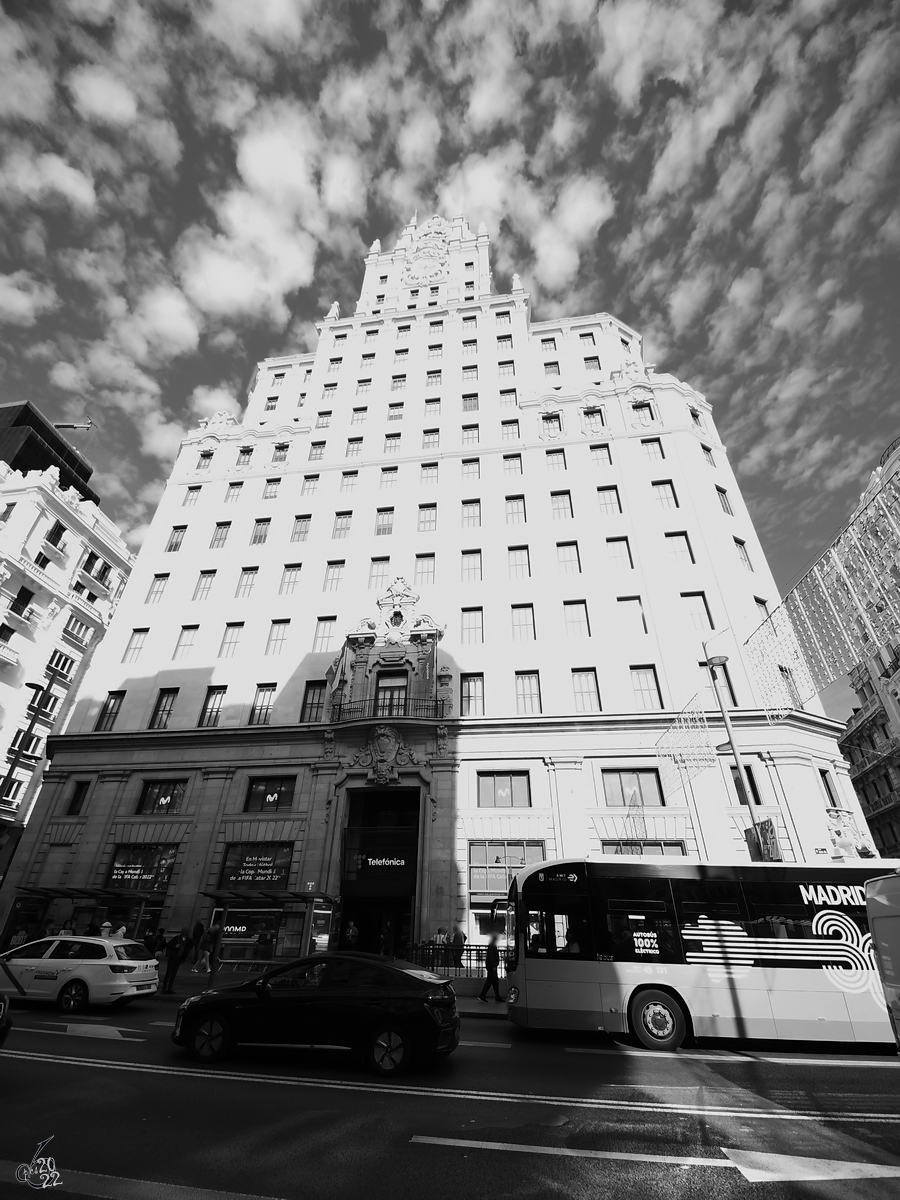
(776, 910)
(634, 920)
(712, 898)
(557, 927)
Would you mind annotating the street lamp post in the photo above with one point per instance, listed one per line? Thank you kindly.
(719, 660)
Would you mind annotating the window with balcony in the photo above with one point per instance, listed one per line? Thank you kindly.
(391, 694)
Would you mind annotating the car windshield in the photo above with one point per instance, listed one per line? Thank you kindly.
(132, 951)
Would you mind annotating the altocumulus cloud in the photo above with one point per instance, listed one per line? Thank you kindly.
(186, 187)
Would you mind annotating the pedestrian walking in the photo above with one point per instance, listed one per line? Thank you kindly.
(492, 979)
(352, 935)
(106, 929)
(204, 949)
(176, 952)
(196, 935)
(459, 941)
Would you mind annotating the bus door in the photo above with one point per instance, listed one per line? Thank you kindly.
(562, 989)
(883, 908)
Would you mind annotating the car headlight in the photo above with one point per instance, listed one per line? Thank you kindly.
(512, 995)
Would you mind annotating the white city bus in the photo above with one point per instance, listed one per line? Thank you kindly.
(883, 907)
(667, 951)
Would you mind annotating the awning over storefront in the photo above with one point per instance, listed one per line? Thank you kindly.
(255, 895)
(131, 895)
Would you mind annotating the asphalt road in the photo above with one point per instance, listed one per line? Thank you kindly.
(509, 1115)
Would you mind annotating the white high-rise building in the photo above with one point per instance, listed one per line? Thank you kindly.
(421, 616)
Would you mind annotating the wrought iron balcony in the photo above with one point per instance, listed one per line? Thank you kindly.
(22, 616)
(8, 656)
(392, 709)
(890, 748)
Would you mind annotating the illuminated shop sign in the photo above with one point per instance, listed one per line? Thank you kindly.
(142, 868)
(257, 864)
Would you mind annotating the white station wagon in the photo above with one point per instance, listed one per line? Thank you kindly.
(77, 971)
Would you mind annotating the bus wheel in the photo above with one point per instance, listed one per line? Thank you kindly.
(658, 1020)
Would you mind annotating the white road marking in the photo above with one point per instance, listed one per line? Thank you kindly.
(754, 1165)
(490, 1045)
(165, 1024)
(426, 1093)
(107, 1032)
(738, 1056)
(116, 1187)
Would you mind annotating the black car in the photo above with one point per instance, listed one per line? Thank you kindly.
(387, 1010)
(5, 1019)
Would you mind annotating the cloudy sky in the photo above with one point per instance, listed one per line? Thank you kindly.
(186, 184)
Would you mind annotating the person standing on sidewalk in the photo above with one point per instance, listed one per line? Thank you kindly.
(176, 952)
(459, 941)
(196, 938)
(204, 947)
(492, 979)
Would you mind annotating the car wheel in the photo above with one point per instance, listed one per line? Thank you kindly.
(73, 998)
(210, 1039)
(658, 1020)
(388, 1052)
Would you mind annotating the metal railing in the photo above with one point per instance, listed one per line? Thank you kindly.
(388, 710)
(466, 962)
(872, 758)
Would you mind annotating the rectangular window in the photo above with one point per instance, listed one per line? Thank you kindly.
(233, 493)
(205, 460)
(108, 713)
(323, 419)
(470, 375)
(263, 702)
(246, 582)
(518, 562)
(695, 417)
(679, 545)
(436, 327)
(324, 634)
(280, 453)
(358, 416)
(402, 336)
(610, 504)
(506, 368)
(515, 510)
(471, 468)
(632, 611)
(600, 456)
(341, 526)
(472, 628)
(388, 477)
(191, 496)
(724, 501)
(504, 343)
(594, 420)
(741, 548)
(585, 689)
(245, 456)
(75, 628)
(271, 404)
(432, 409)
(427, 518)
(551, 368)
(512, 464)
(316, 451)
(378, 569)
(135, 645)
(501, 318)
(260, 531)
(424, 568)
(185, 642)
(696, 608)
(523, 622)
(334, 365)
(471, 695)
(231, 639)
(827, 784)
(435, 351)
(278, 632)
(176, 537)
(391, 443)
(509, 790)
(470, 347)
(528, 693)
(548, 345)
(652, 448)
(203, 585)
(469, 435)
(576, 614)
(556, 460)
(300, 532)
(431, 439)
(270, 491)
(220, 535)
(625, 789)
(561, 505)
(551, 424)
(310, 483)
(157, 587)
(587, 340)
(334, 574)
(645, 686)
(471, 566)
(395, 412)
(471, 514)
(77, 799)
(592, 364)
(433, 379)
(508, 398)
(313, 701)
(398, 383)
(762, 608)
(738, 783)
(162, 709)
(162, 797)
(384, 522)
(429, 474)
(708, 455)
(211, 712)
(349, 480)
(619, 553)
(509, 431)
(568, 558)
(665, 493)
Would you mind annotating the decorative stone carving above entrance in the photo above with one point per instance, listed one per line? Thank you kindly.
(385, 752)
(397, 623)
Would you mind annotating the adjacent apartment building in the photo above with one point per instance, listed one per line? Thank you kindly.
(421, 616)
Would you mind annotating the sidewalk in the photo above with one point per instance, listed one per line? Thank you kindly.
(187, 984)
